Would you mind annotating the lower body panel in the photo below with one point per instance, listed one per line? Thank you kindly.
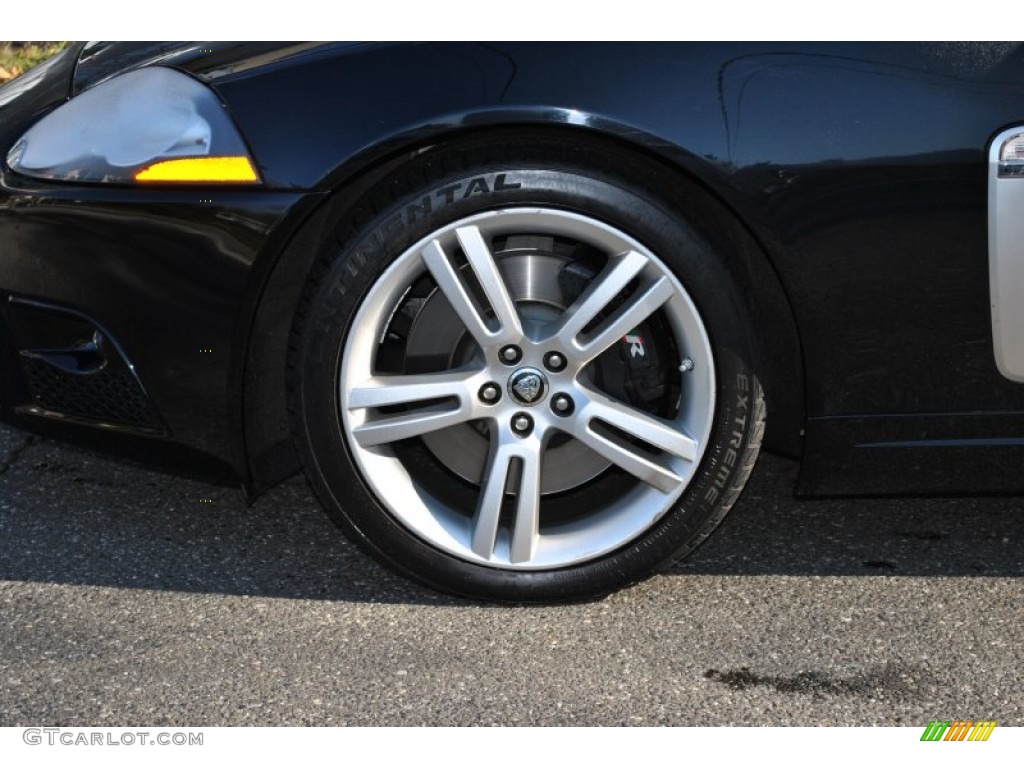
(941, 454)
(128, 311)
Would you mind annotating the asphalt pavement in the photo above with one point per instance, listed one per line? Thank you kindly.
(130, 597)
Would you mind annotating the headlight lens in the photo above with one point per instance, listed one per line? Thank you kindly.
(152, 125)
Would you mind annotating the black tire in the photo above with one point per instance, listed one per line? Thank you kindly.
(426, 196)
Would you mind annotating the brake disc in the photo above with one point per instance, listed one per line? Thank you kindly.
(437, 338)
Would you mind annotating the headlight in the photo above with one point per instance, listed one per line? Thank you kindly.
(150, 125)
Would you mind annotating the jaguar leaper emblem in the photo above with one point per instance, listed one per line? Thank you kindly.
(527, 386)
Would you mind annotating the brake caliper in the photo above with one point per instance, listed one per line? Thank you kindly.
(632, 369)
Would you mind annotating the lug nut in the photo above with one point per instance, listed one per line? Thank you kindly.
(522, 424)
(562, 404)
(490, 393)
(511, 354)
(554, 361)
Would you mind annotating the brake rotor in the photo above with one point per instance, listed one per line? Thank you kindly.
(437, 339)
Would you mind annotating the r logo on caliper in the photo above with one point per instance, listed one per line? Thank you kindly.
(637, 341)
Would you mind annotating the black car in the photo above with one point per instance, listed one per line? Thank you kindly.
(523, 313)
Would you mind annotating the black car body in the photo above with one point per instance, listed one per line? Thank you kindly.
(857, 176)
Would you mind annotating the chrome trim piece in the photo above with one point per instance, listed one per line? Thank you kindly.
(1006, 257)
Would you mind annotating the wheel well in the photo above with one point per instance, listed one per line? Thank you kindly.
(267, 438)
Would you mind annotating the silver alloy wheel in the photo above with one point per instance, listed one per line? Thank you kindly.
(539, 400)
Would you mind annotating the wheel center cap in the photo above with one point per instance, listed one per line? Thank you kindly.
(527, 386)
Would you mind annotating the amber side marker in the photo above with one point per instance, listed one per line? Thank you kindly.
(222, 170)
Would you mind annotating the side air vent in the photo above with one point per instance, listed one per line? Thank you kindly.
(75, 369)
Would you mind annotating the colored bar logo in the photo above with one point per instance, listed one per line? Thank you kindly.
(958, 730)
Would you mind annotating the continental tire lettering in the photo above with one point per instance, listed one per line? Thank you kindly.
(418, 210)
(392, 225)
(375, 244)
(371, 248)
(476, 186)
(366, 252)
(448, 193)
(500, 184)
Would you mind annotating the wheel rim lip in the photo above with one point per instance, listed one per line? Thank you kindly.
(559, 546)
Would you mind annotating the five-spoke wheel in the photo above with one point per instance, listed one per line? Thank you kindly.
(523, 373)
